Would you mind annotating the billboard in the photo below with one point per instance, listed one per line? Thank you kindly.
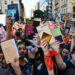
(13, 12)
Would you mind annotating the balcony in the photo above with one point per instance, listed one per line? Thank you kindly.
(64, 5)
(56, 3)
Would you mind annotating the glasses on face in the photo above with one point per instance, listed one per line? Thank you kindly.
(20, 48)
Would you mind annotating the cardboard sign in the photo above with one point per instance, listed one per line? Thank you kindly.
(57, 34)
(67, 17)
(45, 33)
(3, 19)
(9, 50)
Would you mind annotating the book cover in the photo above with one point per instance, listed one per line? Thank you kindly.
(10, 51)
(45, 33)
(57, 34)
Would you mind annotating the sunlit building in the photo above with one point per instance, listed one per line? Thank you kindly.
(5, 3)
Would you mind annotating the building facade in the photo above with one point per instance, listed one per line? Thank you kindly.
(64, 6)
(0, 7)
(32, 12)
(5, 4)
(46, 7)
(37, 6)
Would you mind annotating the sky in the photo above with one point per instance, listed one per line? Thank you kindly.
(29, 4)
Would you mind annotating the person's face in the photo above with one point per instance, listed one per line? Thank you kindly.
(22, 50)
(65, 53)
(73, 56)
(20, 31)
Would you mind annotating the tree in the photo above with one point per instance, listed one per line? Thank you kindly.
(38, 14)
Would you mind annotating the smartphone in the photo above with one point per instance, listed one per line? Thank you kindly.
(3, 19)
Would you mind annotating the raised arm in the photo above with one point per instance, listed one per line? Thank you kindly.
(59, 60)
(8, 27)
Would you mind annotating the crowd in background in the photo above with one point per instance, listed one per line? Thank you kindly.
(36, 58)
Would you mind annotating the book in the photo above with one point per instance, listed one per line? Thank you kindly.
(58, 34)
(45, 33)
(31, 28)
(2, 34)
(10, 51)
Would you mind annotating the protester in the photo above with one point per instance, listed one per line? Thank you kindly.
(37, 56)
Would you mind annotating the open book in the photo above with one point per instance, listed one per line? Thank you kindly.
(9, 50)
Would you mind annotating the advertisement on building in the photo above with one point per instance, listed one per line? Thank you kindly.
(13, 12)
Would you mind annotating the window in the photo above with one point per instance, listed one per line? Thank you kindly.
(66, 10)
(6, 11)
(12, 2)
(5, 2)
(74, 9)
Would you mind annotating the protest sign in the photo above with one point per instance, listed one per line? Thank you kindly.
(9, 50)
(67, 17)
(3, 19)
(45, 33)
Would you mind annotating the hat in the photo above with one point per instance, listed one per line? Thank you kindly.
(73, 50)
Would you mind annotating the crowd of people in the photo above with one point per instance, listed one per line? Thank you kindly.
(36, 58)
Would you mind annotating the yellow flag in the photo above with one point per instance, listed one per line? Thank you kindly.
(73, 2)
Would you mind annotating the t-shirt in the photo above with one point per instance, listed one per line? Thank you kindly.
(70, 70)
(39, 65)
(26, 69)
